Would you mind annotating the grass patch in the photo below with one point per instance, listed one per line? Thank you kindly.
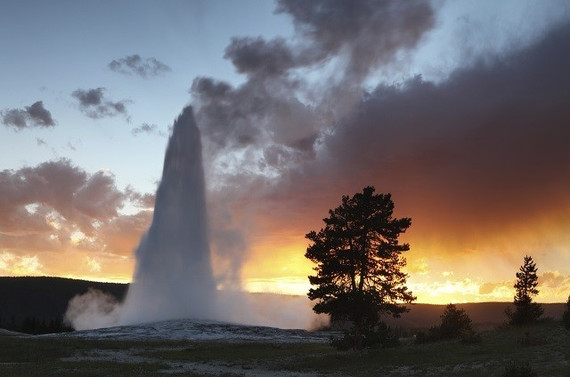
(497, 351)
(82, 368)
(235, 352)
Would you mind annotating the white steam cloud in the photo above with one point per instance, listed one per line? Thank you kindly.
(92, 310)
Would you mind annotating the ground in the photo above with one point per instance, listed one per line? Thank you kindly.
(545, 347)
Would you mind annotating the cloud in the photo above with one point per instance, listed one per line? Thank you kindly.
(259, 57)
(552, 285)
(484, 148)
(35, 115)
(254, 115)
(56, 186)
(419, 266)
(149, 129)
(277, 107)
(134, 64)
(488, 138)
(364, 33)
(11, 264)
(140, 200)
(554, 279)
(56, 206)
(122, 233)
(499, 290)
(93, 104)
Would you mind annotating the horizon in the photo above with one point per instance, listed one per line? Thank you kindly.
(440, 103)
(294, 294)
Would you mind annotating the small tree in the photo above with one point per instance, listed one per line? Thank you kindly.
(455, 323)
(358, 256)
(526, 311)
(566, 315)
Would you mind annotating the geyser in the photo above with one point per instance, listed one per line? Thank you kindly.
(173, 276)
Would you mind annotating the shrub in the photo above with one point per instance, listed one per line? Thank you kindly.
(530, 340)
(455, 323)
(379, 336)
(433, 334)
(514, 369)
(471, 337)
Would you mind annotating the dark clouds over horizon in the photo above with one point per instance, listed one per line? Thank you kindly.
(480, 152)
(487, 146)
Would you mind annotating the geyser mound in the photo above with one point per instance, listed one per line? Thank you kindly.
(173, 277)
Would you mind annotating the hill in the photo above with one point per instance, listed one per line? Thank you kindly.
(38, 304)
(483, 314)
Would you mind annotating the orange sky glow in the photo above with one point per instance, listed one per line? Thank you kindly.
(439, 271)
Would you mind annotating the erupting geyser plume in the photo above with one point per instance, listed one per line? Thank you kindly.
(173, 276)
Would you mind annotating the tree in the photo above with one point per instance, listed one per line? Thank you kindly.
(526, 311)
(359, 264)
(455, 323)
(566, 315)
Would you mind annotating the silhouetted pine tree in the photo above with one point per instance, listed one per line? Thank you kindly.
(526, 311)
(359, 266)
(455, 323)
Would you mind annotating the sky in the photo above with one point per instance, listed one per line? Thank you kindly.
(459, 109)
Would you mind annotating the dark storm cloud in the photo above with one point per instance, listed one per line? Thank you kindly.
(134, 64)
(485, 148)
(256, 56)
(93, 104)
(35, 115)
(368, 32)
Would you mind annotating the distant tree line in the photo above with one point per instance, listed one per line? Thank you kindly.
(35, 325)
